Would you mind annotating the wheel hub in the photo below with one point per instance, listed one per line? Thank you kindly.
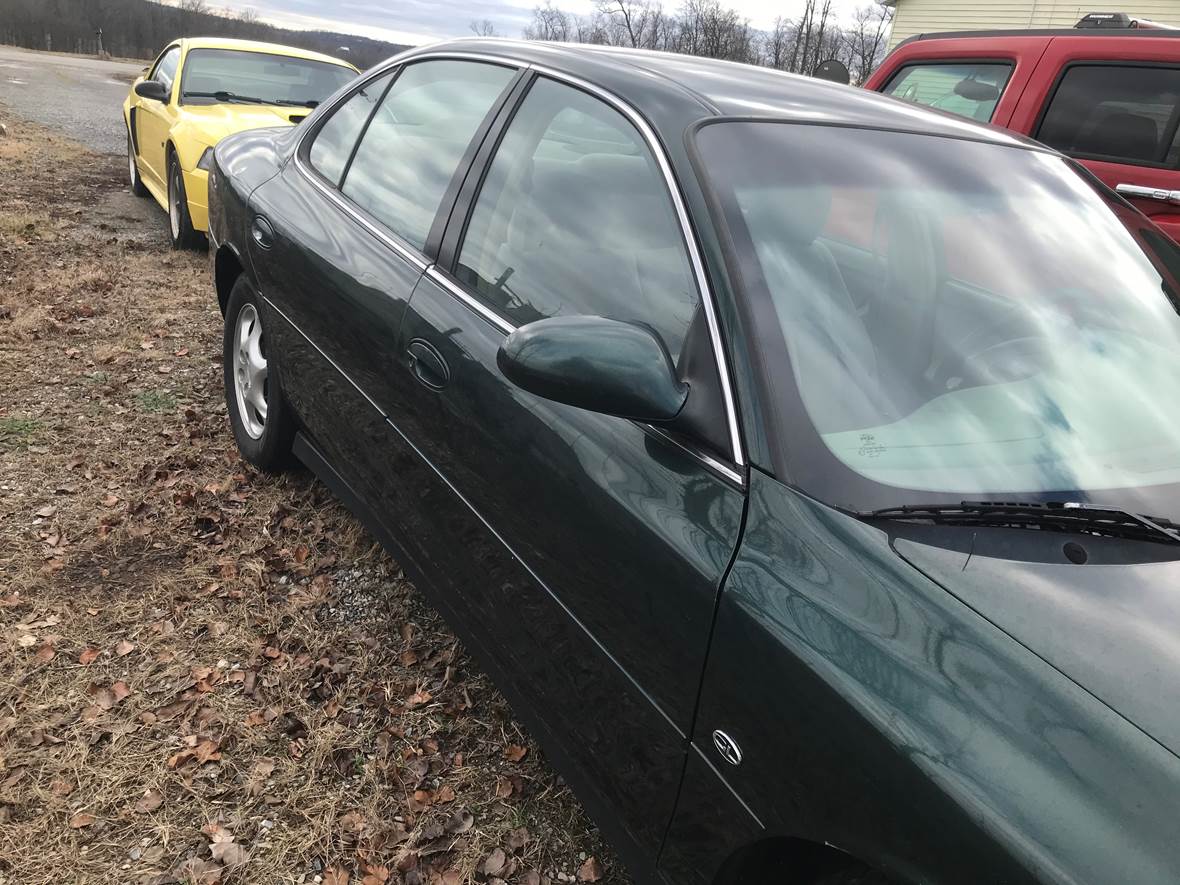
(250, 371)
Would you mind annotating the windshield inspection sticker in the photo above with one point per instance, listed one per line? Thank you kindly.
(869, 447)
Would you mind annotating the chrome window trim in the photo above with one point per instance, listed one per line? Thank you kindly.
(470, 300)
(375, 227)
(686, 231)
(424, 264)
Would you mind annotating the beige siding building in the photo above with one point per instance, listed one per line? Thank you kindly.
(923, 16)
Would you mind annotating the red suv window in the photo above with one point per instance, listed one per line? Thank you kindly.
(1120, 113)
(970, 89)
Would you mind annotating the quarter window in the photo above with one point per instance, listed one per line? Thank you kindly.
(416, 141)
(575, 218)
(1122, 113)
(338, 136)
(970, 90)
(165, 71)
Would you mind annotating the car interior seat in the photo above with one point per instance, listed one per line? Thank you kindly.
(831, 351)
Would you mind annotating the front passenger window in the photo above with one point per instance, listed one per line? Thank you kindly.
(416, 141)
(165, 71)
(575, 218)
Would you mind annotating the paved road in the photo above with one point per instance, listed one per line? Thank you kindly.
(80, 96)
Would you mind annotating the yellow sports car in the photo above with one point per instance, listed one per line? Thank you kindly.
(197, 92)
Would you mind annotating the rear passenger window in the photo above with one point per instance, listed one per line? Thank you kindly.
(575, 218)
(1115, 112)
(970, 90)
(416, 140)
(334, 142)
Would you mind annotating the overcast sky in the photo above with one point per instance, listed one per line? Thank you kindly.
(421, 21)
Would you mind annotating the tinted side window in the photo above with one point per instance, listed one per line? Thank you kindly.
(165, 71)
(575, 218)
(1126, 114)
(416, 139)
(970, 90)
(334, 142)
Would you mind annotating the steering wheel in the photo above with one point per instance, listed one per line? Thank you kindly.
(998, 353)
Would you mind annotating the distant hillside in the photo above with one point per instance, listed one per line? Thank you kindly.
(140, 28)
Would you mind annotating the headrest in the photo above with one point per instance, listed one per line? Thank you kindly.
(796, 214)
(1122, 135)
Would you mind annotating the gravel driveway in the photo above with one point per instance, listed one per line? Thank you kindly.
(81, 97)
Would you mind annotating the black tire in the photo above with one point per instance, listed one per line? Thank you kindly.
(180, 224)
(265, 444)
(855, 875)
(137, 186)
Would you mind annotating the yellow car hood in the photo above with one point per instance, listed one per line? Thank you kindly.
(211, 123)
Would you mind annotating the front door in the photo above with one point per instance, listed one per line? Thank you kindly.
(1118, 118)
(153, 121)
(585, 550)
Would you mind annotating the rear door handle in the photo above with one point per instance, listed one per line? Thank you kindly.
(428, 364)
(262, 232)
(1159, 194)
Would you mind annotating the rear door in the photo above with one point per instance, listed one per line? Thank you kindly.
(1114, 105)
(981, 78)
(342, 234)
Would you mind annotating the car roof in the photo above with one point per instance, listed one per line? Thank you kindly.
(674, 90)
(1087, 34)
(259, 46)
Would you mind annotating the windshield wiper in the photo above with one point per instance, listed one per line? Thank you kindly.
(1067, 517)
(222, 95)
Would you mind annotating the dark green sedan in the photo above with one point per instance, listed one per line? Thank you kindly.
(801, 463)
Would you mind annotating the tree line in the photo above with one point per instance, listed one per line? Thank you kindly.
(708, 28)
(141, 28)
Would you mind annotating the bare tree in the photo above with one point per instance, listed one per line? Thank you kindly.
(249, 15)
(483, 28)
(634, 23)
(867, 40)
(777, 42)
(550, 23)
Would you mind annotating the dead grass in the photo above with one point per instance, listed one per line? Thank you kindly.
(205, 674)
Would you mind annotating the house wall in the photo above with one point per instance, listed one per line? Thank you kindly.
(923, 16)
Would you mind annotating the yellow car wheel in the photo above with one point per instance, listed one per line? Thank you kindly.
(137, 186)
(180, 225)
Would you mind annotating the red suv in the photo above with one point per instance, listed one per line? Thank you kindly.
(1108, 97)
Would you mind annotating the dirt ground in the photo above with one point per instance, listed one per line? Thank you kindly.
(208, 675)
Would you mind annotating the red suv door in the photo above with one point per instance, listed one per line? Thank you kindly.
(1113, 103)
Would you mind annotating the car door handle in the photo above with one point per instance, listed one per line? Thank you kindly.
(1160, 194)
(262, 232)
(428, 364)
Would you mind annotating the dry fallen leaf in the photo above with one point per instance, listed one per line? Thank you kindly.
(150, 801)
(81, 819)
(44, 654)
(88, 656)
(124, 648)
(504, 787)
(515, 752)
(47, 511)
(590, 871)
(229, 853)
(335, 876)
(494, 863)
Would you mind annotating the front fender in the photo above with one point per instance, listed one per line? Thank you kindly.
(880, 715)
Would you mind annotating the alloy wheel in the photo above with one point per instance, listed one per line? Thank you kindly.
(250, 371)
(174, 203)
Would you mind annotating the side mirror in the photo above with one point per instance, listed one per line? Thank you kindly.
(596, 364)
(153, 90)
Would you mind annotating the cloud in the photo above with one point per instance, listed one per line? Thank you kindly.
(423, 21)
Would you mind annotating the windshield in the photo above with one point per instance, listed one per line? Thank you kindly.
(942, 319)
(258, 77)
